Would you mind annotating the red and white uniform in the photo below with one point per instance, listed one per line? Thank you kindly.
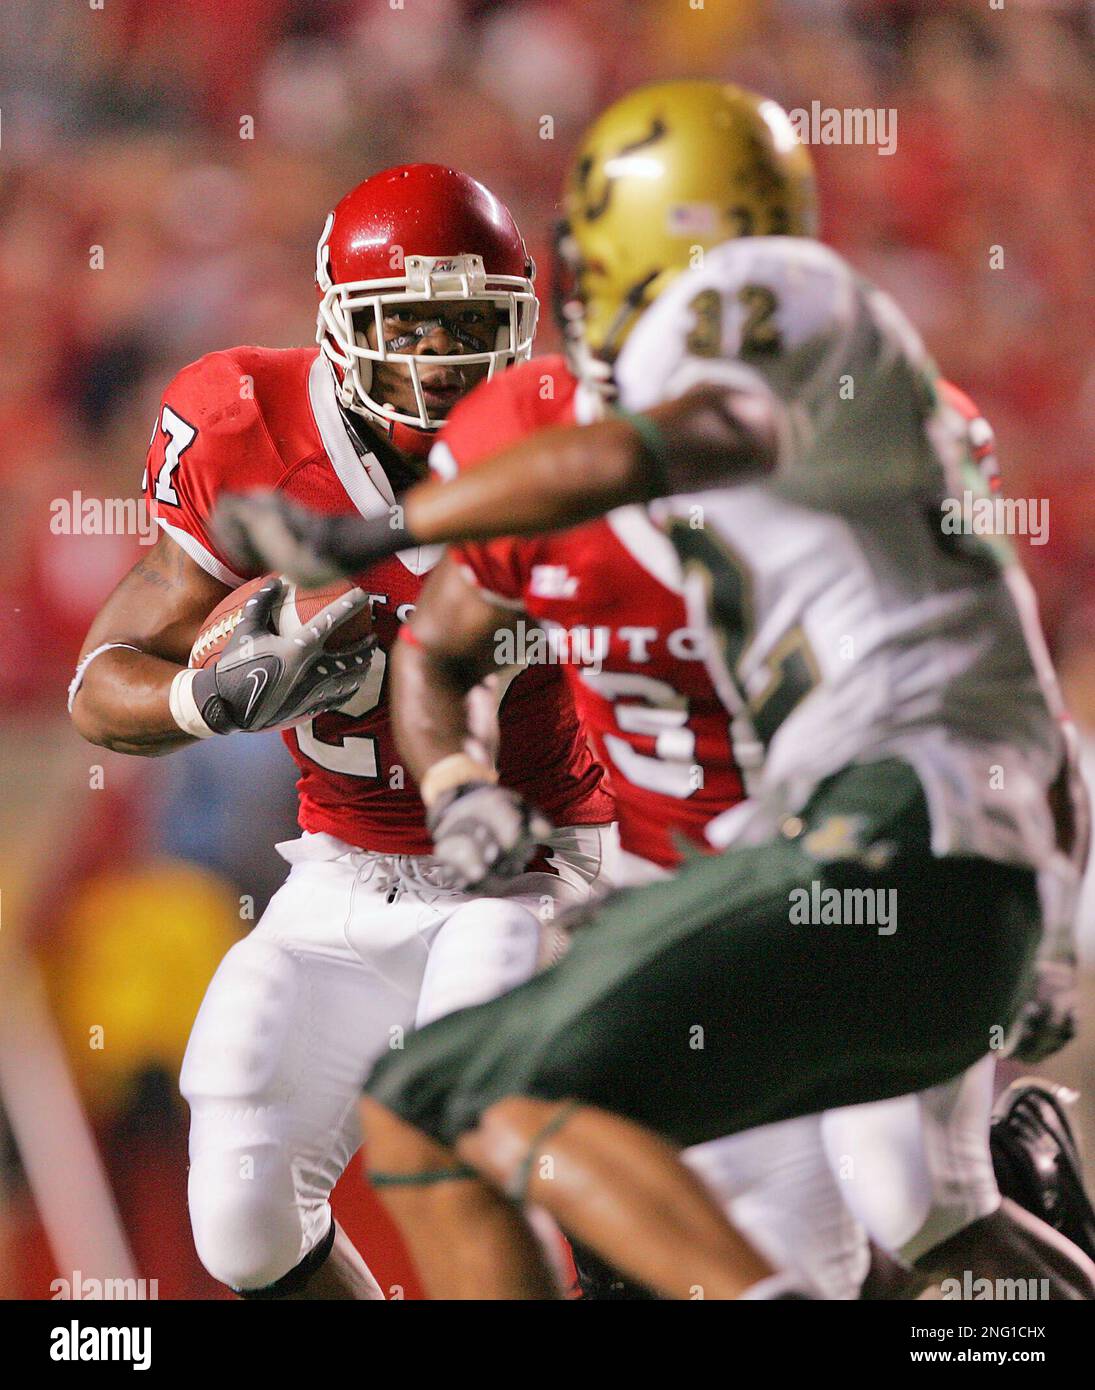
(609, 595)
(259, 418)
(367, 938)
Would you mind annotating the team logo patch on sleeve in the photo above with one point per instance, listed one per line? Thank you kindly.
(552, 581)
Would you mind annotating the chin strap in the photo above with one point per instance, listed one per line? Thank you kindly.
(404, 439)
(408, 440)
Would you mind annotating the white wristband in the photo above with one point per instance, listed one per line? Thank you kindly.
(184, 709)
(78, 679)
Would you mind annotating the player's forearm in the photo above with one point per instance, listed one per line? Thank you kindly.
(562, 477)
(430, 716)
(711, 436)
(123, 704)
(550, 481)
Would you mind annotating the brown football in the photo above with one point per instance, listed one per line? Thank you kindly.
(297, 608)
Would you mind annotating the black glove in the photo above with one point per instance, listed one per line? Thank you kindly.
(484, 832)
(266, 531)
(265, 681)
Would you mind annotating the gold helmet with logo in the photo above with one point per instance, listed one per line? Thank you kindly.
(668, 172)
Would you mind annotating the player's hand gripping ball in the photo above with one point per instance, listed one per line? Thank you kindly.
(271, 654)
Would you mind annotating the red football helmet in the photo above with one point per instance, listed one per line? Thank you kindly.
(418, 232)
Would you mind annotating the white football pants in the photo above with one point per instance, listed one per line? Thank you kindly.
(354, 951)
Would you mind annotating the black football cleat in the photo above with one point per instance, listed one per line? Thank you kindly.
(1037, 1160)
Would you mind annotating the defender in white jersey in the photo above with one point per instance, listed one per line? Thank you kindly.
(849, 622)
(874, 925)
(772, 367)
(864, 629)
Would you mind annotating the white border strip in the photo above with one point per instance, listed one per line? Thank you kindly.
(648, 546)
(200, 555)
(366, 486)
(364, 479)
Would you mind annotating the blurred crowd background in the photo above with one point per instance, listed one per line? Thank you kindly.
(165, 169)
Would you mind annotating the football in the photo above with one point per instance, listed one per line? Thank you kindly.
(297, 607)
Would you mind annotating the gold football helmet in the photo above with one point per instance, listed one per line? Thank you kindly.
(665, 174)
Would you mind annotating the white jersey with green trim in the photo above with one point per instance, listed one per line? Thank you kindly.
(848, 625)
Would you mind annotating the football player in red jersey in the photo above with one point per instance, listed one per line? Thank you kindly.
(425, 289)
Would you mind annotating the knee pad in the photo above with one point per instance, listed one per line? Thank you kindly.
(272, 1074)
(481, 950)
(248, 1227)
(298, 1276)
(244, 1032)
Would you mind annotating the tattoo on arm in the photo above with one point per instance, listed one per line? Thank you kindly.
(164, 571)
(143, 570)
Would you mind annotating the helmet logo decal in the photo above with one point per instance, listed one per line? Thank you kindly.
(692, 219)
(613, 168)
(323, 274)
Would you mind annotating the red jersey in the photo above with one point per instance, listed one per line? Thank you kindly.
(251, 418)
(608, 596)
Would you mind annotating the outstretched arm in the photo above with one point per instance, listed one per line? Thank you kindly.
(550, 481)
(562, 477)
